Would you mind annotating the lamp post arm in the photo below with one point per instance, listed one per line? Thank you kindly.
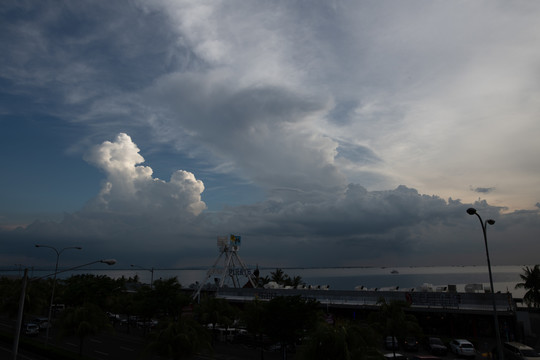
(107, 261)
(151, 272)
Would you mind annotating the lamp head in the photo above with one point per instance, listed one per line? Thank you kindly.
(471, 211)
(109, 261)
(490, 221)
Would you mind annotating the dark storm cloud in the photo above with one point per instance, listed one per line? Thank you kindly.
(84, 61)
(357, 228)
(376, 224)
(50, 41)
(484, 190)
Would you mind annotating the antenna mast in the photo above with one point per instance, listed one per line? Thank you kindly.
(232, 266)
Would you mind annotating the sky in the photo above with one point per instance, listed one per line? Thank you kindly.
(324, 133)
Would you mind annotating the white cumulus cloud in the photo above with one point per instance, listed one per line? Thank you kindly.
(130, 187)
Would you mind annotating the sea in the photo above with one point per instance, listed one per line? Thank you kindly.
(505, 277)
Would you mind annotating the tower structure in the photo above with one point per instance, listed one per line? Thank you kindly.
(228, 267)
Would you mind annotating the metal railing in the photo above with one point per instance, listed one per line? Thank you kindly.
(416, 300)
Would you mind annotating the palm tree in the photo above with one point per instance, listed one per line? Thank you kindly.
(278, 276)
(531, 283)
(281, 278)
(294, 282)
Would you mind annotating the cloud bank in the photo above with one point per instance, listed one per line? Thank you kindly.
(138, 217)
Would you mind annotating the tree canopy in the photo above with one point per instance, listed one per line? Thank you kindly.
(83, 321)
(531, 283)
(344, 340)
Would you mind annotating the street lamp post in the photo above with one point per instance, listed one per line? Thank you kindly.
(151, 272)
(20, 313)
(18, 326)
(58, 253)
(472, 211)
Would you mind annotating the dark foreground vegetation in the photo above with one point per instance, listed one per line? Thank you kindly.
(173, 326)
(176, 327)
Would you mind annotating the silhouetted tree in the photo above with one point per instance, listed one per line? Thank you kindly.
(169, 298)
(281, 278)
(36, 299)
(278, 276)
(145, 304)
(344, 340)
(294, 282)
(254, 317)
(531, 283)
(287, 318)
(214, 311)
(83, 321)
(391, 320)
(87, 288)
